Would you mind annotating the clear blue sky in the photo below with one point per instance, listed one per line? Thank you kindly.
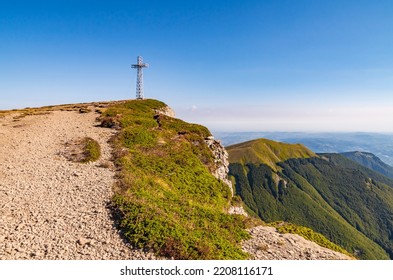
(295, 65)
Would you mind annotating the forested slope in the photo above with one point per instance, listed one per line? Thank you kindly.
(348, 203)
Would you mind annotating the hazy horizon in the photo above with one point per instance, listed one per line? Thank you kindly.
(230, 65)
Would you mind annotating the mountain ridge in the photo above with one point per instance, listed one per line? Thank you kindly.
(371, 161)
(380, 144)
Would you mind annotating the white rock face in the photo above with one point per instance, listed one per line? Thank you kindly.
(268, 244)
(221, 160)
(167, 111)
(237, 210)
(221, 173)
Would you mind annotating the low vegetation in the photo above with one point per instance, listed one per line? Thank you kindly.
(81, 108)
(82, 150)
(91, 150)
(168, 200)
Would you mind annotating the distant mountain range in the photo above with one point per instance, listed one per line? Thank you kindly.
(349, 203)
(371, 161)
(380, 145)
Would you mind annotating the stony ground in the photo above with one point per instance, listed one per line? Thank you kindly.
(51, 208)
(267, 244)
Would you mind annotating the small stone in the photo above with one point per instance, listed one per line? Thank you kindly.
(84, 241)
(36, 254)
(19, 249)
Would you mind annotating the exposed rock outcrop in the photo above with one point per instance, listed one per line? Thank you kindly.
(221, 160)
(219, 152)
(237, 210)
(167, 111)
(222, 168)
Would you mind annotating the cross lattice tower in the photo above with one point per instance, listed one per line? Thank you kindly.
(139, 80)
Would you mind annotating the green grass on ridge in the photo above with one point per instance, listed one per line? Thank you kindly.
(170, 202)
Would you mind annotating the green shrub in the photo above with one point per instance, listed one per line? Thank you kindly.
(137, 136)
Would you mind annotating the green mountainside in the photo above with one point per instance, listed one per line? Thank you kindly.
(267, 152)
(371, 161)
(349, 204)
(168, 200)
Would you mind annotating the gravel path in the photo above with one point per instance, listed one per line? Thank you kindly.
(51, 208)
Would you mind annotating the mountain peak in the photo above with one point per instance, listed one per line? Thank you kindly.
(267, 151)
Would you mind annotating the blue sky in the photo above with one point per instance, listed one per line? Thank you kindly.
(295, 65)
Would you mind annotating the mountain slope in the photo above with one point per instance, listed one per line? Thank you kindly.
(371, 161)
(348, 203)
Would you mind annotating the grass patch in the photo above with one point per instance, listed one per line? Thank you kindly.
(82, 150)
(168, 198)
(91, 150)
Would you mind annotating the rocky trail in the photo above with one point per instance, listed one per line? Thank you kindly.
(52, 208)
